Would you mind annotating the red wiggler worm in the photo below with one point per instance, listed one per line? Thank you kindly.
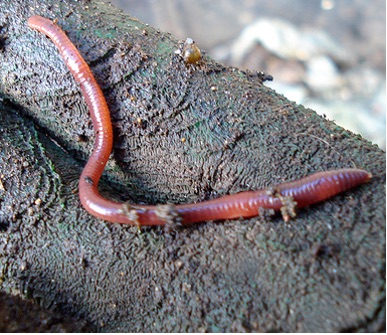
(285, 197)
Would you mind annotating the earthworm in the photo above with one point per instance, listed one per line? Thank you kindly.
(285, 197)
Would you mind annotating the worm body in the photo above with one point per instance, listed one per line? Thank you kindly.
(285, 197)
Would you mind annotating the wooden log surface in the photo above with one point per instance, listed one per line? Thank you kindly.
(183, 133)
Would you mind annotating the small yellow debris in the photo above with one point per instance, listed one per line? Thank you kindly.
(191, 53)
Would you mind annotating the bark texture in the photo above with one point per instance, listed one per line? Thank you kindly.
(20, 316)
(182, 133)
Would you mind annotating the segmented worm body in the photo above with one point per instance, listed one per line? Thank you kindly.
(284, 197)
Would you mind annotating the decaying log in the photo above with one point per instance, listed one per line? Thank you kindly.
(183, 133)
